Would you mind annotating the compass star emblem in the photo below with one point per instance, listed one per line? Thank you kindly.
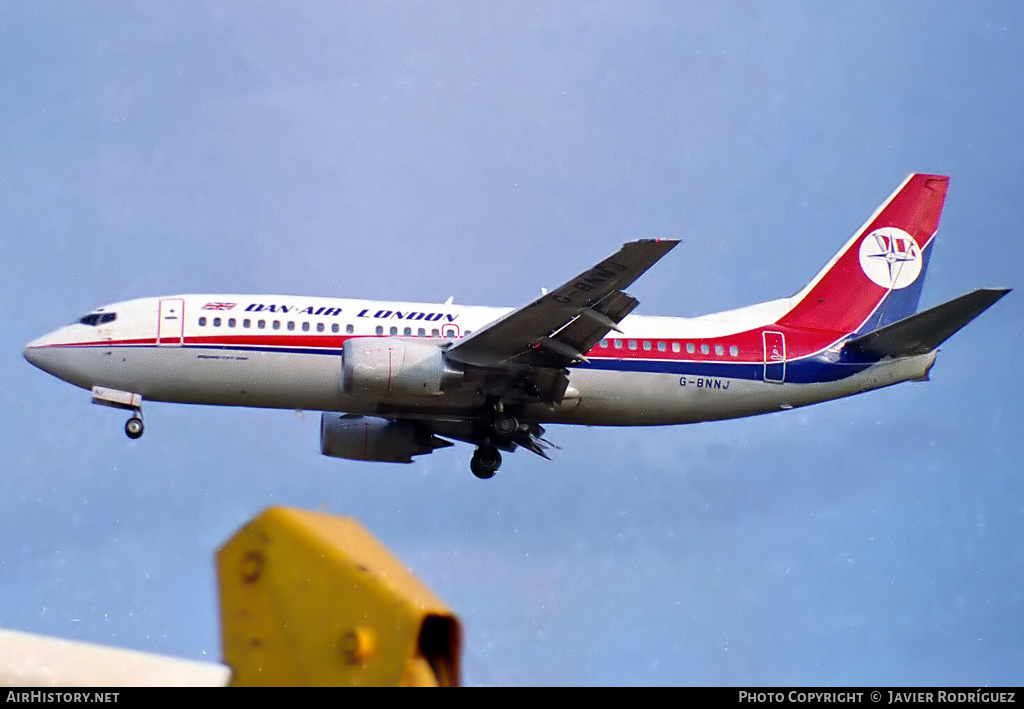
(890, 257)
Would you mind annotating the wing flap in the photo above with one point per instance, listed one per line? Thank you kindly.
(585, 330)
(558, 328)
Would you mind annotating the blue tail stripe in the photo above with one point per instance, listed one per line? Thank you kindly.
(899, 304)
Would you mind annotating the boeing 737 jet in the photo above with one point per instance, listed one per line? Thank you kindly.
(397, 380)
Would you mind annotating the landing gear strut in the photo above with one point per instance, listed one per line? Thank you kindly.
(485, 462)
(134, 427)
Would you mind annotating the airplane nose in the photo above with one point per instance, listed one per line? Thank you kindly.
(46, 354)
(69, 353)
(33, 352)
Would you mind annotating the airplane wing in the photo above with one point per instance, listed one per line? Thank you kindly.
(557, 329)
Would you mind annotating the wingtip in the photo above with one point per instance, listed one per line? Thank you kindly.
(667, 243)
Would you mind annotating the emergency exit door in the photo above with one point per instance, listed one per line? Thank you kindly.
(774, 357)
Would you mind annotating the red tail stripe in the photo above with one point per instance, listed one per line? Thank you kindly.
(845, 297)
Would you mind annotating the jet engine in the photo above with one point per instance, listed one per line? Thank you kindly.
(375, 439)
(383, 366)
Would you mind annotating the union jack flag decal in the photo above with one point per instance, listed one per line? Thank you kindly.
(218, 306)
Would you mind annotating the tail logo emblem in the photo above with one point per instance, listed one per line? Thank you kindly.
(890, 257)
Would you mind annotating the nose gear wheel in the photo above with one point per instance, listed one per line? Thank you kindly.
(134, 428)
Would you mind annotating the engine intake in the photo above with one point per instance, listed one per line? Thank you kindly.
(382, 366)
(374, 439)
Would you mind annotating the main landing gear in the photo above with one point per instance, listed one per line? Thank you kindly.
(485, 462)
(501, 431)
(505, 425)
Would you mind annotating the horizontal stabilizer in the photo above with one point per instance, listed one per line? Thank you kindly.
(923, 332)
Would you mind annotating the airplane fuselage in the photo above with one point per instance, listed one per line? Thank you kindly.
(286, 352)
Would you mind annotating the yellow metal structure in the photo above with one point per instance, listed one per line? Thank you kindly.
(311, 599)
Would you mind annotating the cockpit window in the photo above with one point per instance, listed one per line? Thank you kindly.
(94, 319)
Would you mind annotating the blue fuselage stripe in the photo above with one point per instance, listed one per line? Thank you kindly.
(801, 371)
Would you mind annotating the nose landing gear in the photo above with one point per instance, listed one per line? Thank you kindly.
(127, 400)
(134, 428)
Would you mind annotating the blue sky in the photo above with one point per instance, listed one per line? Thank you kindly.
(415, 150)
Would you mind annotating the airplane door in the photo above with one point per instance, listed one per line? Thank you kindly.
(170, 326)
(774, 357)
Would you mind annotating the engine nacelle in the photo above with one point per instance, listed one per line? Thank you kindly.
(383, 366)
(374, 439)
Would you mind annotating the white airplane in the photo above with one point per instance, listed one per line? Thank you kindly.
(396, 380)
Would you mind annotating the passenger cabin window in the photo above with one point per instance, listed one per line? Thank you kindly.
(421, 332)
(647, 345)
(617, 344)
(261, 324)
(734, 351)
(231, 322)
(348, 328)
(407, 332)
(216, 322)
(689, 348)
(277, 325)
(719, 350)
(247, 323)
(380, 329)
(632, 344)
(435, 333)
(662, 347)
(393, 330)
(305, 327)
(676, 347)
(449, 333)
(319, 327)
(291, 325)
(604, 343)
(704, 349)
(202, 322)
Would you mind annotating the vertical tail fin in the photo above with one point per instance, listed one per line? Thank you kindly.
(876, 278)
